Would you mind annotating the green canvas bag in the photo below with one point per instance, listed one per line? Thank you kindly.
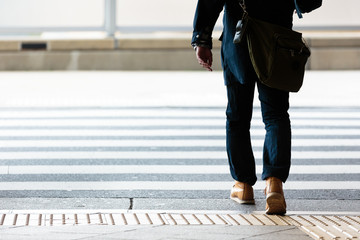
(278, 54)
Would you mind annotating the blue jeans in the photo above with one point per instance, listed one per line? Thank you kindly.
(277, 145)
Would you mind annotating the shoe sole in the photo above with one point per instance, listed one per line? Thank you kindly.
(249, 202)
(276, 204)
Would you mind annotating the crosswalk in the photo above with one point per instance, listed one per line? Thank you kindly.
(163, 151)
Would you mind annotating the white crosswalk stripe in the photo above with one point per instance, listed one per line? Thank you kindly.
(167, 143)
(163, 123)
(163, 132)
(165, 155)
(57, 151)
(165, 169)
(165, 185)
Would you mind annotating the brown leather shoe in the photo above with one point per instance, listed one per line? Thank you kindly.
(242, 193)
(275, 200)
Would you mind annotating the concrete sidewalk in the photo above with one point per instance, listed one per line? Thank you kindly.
(155, 232)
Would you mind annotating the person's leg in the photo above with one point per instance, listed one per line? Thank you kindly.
(277, 145)
(238, 142)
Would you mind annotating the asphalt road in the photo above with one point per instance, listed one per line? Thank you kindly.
(152, 140)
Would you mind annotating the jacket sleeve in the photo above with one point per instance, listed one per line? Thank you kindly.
(206, 15)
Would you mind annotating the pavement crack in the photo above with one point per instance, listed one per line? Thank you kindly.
(268, 233)
(131, 204)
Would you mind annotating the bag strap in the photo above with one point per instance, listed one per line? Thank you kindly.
(242, 5)
(298, 11)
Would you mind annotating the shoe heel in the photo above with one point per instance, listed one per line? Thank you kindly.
(245, 202)
(275, 204)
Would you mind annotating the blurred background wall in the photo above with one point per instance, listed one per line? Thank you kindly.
(147, 35)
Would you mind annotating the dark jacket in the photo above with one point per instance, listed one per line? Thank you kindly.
(235, 58)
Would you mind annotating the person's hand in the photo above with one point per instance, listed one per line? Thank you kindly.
(204, 57)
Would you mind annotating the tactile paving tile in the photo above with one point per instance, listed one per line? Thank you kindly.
(317, 226)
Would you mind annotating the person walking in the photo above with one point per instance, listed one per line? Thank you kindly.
(240, 80)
